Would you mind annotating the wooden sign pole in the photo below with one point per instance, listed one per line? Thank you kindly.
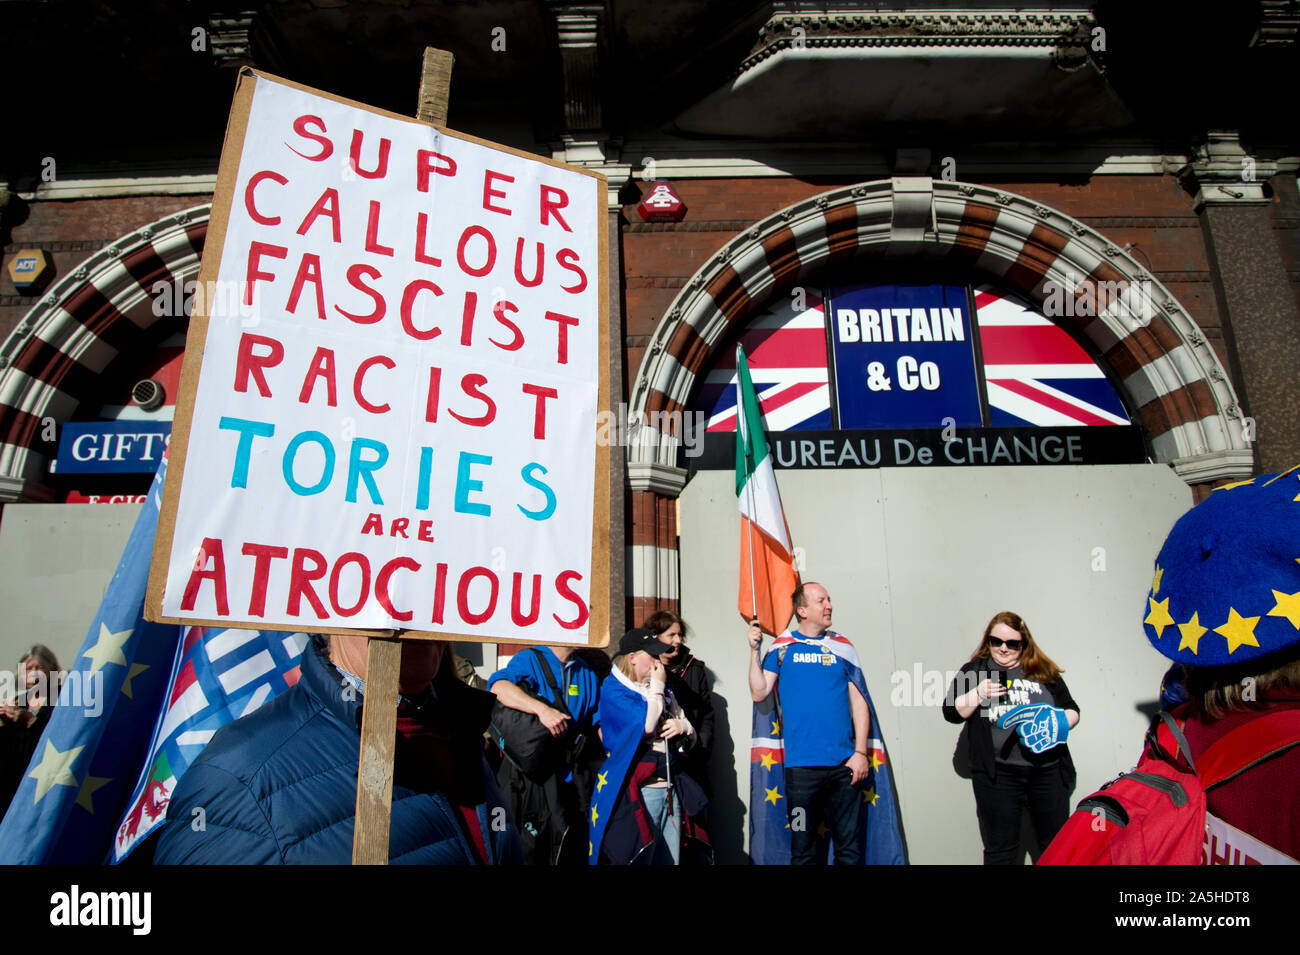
(378, 738)
(384, 652)
(435, 86)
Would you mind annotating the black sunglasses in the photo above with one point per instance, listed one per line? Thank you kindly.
(1009, 644)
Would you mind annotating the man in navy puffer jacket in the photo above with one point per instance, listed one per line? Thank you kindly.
(280, 785)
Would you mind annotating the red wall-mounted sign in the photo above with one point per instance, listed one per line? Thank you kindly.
(662, 204)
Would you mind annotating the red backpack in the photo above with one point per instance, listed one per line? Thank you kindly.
(1156, 814)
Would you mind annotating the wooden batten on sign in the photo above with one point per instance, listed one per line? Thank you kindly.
(374, 819)
(373, 827)
(370, 835)
(435, 86)
(387, 422)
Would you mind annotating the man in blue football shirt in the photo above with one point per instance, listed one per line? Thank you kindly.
(825, 725)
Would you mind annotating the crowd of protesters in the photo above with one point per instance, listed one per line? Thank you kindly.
(592, 761)
(618, 771)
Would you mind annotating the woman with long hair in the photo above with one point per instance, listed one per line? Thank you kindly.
(1016, 712)
(688, 678)
(23, 717)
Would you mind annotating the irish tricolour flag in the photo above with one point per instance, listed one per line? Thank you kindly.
(767, 573)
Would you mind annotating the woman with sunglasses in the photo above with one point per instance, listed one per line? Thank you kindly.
(1017, 712)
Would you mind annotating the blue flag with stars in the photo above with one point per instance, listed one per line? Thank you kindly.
(880, 829)
(71, 797)
(141, 701)
(622, 725)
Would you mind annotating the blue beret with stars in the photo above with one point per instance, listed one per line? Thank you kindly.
(1227, 581)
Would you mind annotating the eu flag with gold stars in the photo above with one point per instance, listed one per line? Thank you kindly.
(880, 828)
(128, 720)
(85, 764)
(622, 725)
(1226, 586)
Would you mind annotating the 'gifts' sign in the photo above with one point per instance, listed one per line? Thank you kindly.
(389, 400)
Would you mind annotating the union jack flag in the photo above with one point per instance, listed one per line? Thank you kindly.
(1036, 373)
(787, 361)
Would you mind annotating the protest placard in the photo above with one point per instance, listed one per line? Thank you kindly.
(395, 362)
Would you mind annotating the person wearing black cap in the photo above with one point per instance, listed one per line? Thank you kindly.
(1225, 604)
(643, 789)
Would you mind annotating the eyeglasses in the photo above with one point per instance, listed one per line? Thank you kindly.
(996, 642)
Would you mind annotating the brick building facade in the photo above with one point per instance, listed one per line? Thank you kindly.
(1073, 164)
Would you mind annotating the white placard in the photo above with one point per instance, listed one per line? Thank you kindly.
(393, 426)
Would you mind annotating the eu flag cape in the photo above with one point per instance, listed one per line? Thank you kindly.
(622, 724)
(881, 827)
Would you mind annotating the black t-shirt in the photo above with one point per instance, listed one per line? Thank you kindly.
(1020, 691)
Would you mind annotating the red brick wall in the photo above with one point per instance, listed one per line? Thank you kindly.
(1153, 213)
(70, 232)
(658, 258)
(654, 523)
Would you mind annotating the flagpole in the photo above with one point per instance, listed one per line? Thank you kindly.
(749, 485)
(753, 600)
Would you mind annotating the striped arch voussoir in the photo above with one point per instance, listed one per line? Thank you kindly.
(1167, 368)
(51, 361)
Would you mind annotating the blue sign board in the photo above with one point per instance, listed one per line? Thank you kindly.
(904, 356)
(112, 447)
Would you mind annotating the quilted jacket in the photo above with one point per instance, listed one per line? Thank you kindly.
(280, 785)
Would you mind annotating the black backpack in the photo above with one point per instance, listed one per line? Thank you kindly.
(549, 814)
(522, 737)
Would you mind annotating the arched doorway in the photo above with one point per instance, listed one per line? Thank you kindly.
(99, 313)
(920, 558)
(114, 319)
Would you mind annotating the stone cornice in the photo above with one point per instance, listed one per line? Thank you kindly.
(1278, 25)
(1225, 174)
(1065, 32)
(653, 476)
(203, 184)
(1214, 466)
(13, 490)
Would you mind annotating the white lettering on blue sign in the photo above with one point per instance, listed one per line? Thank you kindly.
(900, 324)
(116, 446)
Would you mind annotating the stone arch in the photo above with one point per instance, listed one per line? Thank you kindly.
(1166, 366)
(51, 360)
